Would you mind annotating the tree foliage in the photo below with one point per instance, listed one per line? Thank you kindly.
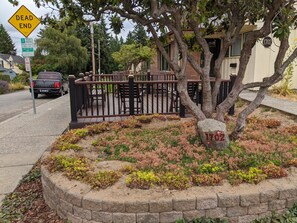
(61, 51)
(6, 44)
(138, 36)
(108, 45)
(203, 17)
(132, 54)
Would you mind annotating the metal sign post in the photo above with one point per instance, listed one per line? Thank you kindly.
(28, 68)
(25, 22)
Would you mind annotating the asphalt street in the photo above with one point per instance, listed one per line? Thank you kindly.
(15, 103)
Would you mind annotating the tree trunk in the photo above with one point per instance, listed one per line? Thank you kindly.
(241, 119)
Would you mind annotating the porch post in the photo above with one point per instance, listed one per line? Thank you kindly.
(131, 94)
(73, 105)
(232, 81)
(148, 85)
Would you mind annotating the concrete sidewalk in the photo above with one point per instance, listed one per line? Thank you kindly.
(286, 106)
(25, 137)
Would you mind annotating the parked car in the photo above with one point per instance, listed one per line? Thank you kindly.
(50, 83)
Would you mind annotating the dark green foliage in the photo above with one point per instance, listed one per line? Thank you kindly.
(6, 44)
(22, 78)
(4, 77)
(59, 50)
(138, 36)
(108, 45)
(4, 87)
(34, 175)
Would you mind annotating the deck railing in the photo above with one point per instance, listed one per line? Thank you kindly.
(107, 97)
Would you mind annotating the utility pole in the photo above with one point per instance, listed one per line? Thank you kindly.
(99, 64)
(93, 49)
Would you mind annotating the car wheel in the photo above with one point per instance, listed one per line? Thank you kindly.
(35, 95)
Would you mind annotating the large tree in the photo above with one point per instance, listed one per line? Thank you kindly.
(138, 36)
(108, 45)
(6, 44)
(60, 50)
(132, 54)
(204, 17)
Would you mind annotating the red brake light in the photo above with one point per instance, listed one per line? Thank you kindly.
(57, 85)
(32, 84)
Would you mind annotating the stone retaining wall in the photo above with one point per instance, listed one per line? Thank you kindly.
(241, 204)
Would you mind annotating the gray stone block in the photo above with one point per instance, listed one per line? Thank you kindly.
(113, 206)
(191, 215)
(137, 207)
(236, 211)
(184, 204)
(147, 217)
(249, 199)
(105, 217)
(228, 200)
(161, 206)
(124, 218)
(207, 202)
(216, 213)
(258, 209)
(82, 213)
(169, 217)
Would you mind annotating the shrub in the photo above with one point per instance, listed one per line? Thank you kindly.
(273, 171)
(98, 128)
(142, 179)
(210, 168)
(206, 179)
(292, 162)
(175, 181)
(103, 179)
(271, 123)
(81, 132)
(128, 169)
(16, 86)
(254, 175)
(4, 87)
(68, 146)
(4, 77)
(75, 167)
(22, 78)
(291, 130)
(144, 118)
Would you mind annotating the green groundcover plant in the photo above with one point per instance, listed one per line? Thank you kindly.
(164, 151)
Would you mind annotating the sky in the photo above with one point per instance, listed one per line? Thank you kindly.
(7, 10)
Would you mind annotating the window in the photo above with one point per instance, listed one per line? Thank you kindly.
(163, 63)
(236, 47)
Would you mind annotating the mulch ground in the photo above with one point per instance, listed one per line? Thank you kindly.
(26, 203)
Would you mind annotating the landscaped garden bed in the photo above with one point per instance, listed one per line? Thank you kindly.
(164, 151)
(155, 169)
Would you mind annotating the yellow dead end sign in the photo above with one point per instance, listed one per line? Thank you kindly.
(24, 21)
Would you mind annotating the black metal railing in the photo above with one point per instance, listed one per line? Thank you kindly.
(105, 97)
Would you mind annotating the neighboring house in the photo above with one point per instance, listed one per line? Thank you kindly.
(9, 72)
(11, 62)
(261, 62)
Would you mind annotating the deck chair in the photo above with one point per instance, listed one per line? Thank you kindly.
(96, 94)
(124, 98)
(192, 91)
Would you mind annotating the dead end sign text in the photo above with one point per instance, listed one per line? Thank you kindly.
(24, 18)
